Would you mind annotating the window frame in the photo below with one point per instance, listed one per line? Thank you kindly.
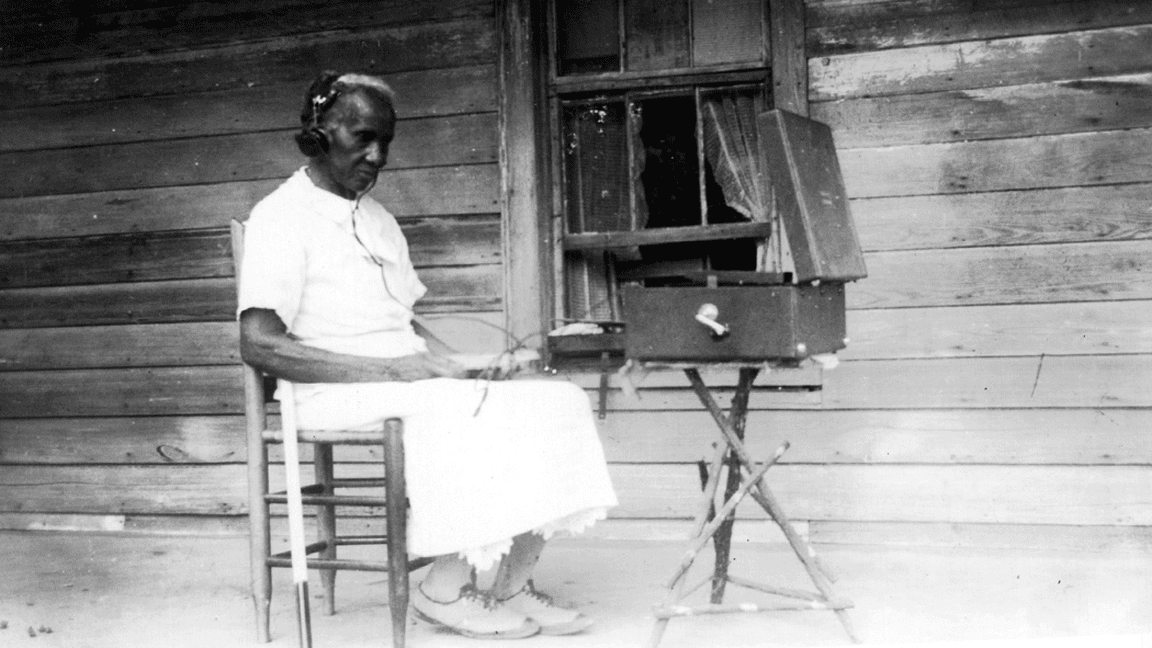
(527, 201)
(624, 85)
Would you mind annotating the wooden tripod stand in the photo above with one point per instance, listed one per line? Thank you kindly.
(717, 525)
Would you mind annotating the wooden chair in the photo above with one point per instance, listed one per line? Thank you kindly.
(322, 554)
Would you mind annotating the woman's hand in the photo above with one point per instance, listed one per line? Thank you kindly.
(422, 366)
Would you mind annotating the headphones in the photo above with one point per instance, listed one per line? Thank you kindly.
(312, 140)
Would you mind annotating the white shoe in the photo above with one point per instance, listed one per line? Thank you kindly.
(539, 607)
(474, 614)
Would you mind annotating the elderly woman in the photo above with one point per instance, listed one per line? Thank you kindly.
(326, 301)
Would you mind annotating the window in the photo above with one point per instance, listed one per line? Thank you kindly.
(658, 173)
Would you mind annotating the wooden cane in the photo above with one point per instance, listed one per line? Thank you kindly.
(295, 513)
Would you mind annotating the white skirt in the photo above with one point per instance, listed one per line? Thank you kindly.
(485, 460)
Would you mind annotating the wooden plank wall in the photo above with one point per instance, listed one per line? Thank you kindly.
(998, 386)
(134, 131)
(997, 389)
(997, 156)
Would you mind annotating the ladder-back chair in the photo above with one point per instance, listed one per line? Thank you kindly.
(322, 494)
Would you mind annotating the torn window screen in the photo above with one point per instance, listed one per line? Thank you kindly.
(597, 199)
(664, 162)
(732, 148)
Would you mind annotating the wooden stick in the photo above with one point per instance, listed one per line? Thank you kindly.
(709, 490)
(762, 495)
(778, 591)
(727, 608)
(722, 540)
(816, 571)
(729, 506)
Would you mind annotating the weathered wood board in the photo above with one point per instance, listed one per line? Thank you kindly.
(1062, 328)
(839, 27)
(1049, 161)
(1095, 382)
(869, 437)
(434, 191)
(192, 254)
(275, 61)
(960, 494)
(55, 30)
(1066, 106)
(1118, 270)
(1003, 218)
(434, 141)
(983, 63)
(419, 93)
(469, 288)
(194, 343)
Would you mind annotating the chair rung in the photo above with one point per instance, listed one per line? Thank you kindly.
(359, 482)
(340, 500)
(353, 565)
(323, 436)
(342, 541)
(331, 563)
(310, 549)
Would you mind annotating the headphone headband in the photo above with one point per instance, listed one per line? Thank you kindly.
(322, 102)
(311, 139)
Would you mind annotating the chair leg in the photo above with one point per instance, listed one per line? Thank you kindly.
(397, 523)
(260, 539)
(326, 522)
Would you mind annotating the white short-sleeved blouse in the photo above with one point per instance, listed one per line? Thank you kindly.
(317, 260)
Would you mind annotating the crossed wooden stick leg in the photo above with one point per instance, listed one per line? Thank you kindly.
(716, 525)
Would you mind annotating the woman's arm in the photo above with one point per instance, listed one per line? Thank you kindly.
(266, 345)
(435, 344)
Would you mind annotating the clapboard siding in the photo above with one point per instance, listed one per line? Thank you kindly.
(118, 392)
(124, 440)
(1045, 537)
(1039, 436)
(197, 343)
(1071, 106)
(983, 63)
(207, 253)
(1003, 218)
(837, 28)
(1077, 159)
(55, 31)
(433, 191)
(873, 437)
(125, 488)
(468, 288)
(267, 62)
(263, 108)
(1093, 382)
(118, 342)
(963, 494)
(1074, 328)
(1020, 274)
(140, 345)
(996, 158)
(439, 141)
(1096, 382)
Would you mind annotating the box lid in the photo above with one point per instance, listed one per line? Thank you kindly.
(810, 196)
